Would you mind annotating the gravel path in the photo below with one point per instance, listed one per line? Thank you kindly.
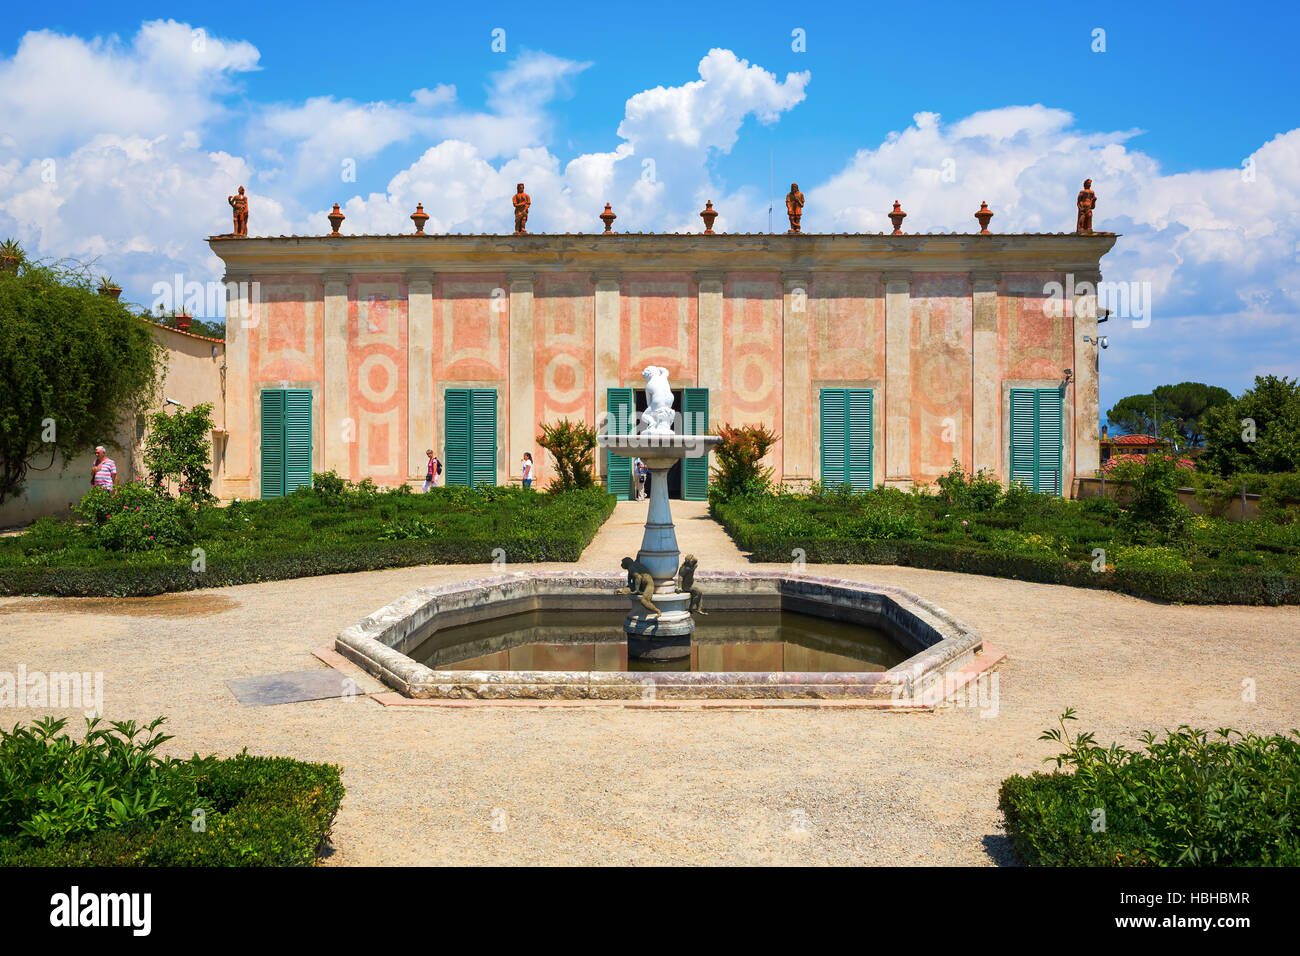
(595, 786)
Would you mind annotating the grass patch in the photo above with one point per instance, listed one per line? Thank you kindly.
(166, 545)
(109, 800)
(1192, 799)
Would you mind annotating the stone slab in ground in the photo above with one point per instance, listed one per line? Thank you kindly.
(292, 687)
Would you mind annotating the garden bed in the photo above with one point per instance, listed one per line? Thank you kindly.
(139, 543)
(1194, 559)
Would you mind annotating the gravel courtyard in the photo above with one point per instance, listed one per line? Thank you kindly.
(605, 785)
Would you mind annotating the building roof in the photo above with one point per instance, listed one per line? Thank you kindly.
(168, 328)
(1114, 460)
(795, 237)
(1136, 440)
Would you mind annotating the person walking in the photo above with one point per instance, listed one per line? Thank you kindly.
(435, 469)
(104, 474)
(528, 469)
(641, 472)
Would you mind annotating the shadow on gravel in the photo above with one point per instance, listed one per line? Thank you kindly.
(998, 847)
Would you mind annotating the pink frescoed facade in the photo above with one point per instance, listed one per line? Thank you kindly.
(937, 332)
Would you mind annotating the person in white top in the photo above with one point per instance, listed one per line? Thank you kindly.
(639, 474)
(528, 469)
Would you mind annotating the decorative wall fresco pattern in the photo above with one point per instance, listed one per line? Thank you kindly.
(942, 327)
(377, 379)
(563, 331)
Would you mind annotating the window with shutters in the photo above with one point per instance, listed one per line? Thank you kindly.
(620, 420)
(1037, 438)
(470, 437)
(846, 437)
(695, 421)
(286, 441)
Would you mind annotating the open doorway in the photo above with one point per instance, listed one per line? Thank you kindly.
(674, 473)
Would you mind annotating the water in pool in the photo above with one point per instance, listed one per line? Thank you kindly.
(568, 640)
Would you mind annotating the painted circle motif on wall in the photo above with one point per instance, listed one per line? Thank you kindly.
(377, 379)
(565, 378)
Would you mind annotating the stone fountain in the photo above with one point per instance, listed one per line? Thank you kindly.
(659, 624)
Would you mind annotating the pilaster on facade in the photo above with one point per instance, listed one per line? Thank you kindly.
(605, 345)
(796, 427)
(241, 318)
(1087, 374)
(898, 378)
(421, 420)
(336, 436)
(519, 390)
(985, 392)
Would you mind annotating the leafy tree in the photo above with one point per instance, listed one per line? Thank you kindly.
(1186, 405)
(179, 447)
(739, 457)
(1132, 415)
(571, 445)
(73, 366)
(1258, 432)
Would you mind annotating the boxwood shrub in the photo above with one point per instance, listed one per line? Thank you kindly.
(108, 800)
(1192, 799)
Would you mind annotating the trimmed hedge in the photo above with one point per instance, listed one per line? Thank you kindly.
(270, 811)
(322, 537)
(1198, 586)
(108, 799)
(1191, 799)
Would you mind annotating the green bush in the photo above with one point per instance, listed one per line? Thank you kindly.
(319, 530)
(135, 517)
(978, 492)
(1191, 799)
(1150, 558)
(739, 457)
(571, 445)
(109, 800)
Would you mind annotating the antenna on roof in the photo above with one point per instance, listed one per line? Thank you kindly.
(771, 190)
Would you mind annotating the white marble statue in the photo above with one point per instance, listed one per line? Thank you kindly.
(658, 417)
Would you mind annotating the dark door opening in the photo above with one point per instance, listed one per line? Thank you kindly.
(674, 473)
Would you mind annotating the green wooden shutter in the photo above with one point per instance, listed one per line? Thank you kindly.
(846, 420)
(1050, 444)
(621, 420)
(1037, 442)
(834, 408)
(857, 439)
(272, 443)
(456, 440)
(483, 436)
(695, 421)
(297, 439)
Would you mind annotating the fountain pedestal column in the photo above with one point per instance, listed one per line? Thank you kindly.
(666, 636)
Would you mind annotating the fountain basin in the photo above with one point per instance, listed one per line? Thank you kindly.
(931, 642)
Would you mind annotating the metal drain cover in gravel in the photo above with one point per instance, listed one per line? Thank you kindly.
(292, 687)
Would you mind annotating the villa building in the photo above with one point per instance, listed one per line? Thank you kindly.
(877, 359)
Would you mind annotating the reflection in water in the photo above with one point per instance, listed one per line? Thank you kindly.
(566, 640)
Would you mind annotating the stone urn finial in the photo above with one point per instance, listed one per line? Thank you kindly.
(897, 217)
(608, 217)
(419, 217)
(983, 215)
(336, 219)
(708, 214)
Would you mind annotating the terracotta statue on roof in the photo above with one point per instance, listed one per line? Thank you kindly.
(1087, 202)
(521, 203)
(239, 204)
(794, 206)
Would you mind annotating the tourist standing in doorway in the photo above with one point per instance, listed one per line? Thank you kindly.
(528, 469)
(640, 471)
(104, 474)
(435, 469)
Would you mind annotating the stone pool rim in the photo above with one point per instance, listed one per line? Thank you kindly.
(943, 645)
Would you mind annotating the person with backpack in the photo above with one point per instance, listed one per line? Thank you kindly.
(435, 469)
(639, 474)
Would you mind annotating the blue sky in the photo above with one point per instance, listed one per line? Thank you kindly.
(148, 135)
